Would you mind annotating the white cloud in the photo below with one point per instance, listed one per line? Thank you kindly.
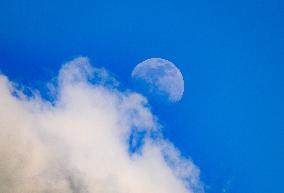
(80, 142)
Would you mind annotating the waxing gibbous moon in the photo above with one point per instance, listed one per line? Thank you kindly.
(159, 77)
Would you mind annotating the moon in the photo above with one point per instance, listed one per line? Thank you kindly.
(159, 77)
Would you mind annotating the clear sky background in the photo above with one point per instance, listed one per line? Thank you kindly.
(230, 120)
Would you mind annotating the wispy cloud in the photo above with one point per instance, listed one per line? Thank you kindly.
(80, 142)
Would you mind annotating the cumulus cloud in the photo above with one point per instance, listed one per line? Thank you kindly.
(91, 138)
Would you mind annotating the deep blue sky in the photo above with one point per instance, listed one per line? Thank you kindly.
(231, 119)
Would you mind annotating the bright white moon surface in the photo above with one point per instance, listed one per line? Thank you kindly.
(160, 77)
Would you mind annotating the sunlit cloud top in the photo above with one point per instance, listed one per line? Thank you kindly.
(92, 138)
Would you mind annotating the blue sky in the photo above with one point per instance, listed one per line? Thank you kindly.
(230, 120)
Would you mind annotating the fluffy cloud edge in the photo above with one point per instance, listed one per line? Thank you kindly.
(79, 142)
